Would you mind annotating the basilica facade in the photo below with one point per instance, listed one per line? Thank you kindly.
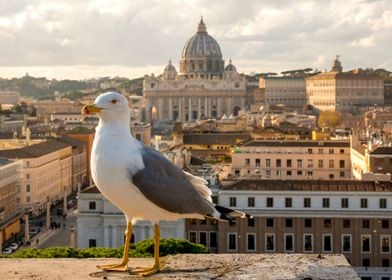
(203, 88)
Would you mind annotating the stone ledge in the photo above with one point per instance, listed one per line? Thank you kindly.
(189, 266)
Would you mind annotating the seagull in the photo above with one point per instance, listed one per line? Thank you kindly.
(140, 181)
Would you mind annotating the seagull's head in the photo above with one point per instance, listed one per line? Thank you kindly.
(109, 106)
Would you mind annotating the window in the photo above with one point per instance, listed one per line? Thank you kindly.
(310, 163)
(331, 151)
(341, 163)
(289, 242)
(270, 222)
(27, 176)
(288, 202)
(364, 203)
(268, 162)
(346, 223)
(278, 163)
(342, 174)
(92, 205)
(383, 203)
(331, 176)
(385, 262)
(344, 202)
(299, 163)
(288, 163)
(192, 237)
(341, 151)
(203, 238)
(307, 202)
(320, 151)
(385, 243)
(289, 223)
(365, 243)
(366, 263)
(325, 202)
(385, 224)
(247, 161)
(288, 172)
(327, 243)
(269, 242)
(320, 163)
(327, 223)
(232, 240)
(331, 163)
(251, 222)
(308, 242)
(365, 223)
(308, 223)
(27, 187)
(299, 173)
(27, 199)
(92, 243)
(251, 202)
(233, 201)
(213, 239)
(310, 151)
(251, 242)
(270, 201)
(258, 162)
(346, 243)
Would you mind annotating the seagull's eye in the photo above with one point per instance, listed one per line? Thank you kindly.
(114, 101)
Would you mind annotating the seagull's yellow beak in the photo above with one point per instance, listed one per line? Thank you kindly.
(90, 109)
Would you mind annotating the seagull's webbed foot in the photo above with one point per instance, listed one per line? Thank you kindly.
(114, 267)
(147, 271)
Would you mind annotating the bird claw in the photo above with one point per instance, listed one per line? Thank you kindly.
(147, 271)
(114, 267)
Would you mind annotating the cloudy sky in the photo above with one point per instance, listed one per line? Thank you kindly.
(82, 39)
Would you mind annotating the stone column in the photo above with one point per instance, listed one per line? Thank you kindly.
(219, 107)
(147, 109)
(160, 109)
(190, 109)
(180, 116)
(170, 108)
(199, 107)
(72, 238)
(206, 106)
(105, 236)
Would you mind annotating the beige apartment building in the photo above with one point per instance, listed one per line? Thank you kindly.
(342, 91)
(292, 159)
(46, 173)
(287, 90)
(10, 213)
(353, 218)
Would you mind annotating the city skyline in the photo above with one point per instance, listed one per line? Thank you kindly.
(79, 40)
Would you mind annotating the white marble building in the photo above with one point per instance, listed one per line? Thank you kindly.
(101, 224)
(204, 87)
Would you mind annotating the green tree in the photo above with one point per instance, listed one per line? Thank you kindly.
(329, 119)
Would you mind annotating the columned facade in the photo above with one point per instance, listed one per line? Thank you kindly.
(204, 88)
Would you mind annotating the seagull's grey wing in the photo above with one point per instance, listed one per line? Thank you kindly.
(167, 186)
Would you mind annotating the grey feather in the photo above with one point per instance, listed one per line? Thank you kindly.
(168, 187)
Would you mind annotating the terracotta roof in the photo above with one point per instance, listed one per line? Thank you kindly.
(309, 185)
(36, 150)
(215, 138)
(91, 189)
(299, 143)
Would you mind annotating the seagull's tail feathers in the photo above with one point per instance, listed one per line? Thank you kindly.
(230, 215)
